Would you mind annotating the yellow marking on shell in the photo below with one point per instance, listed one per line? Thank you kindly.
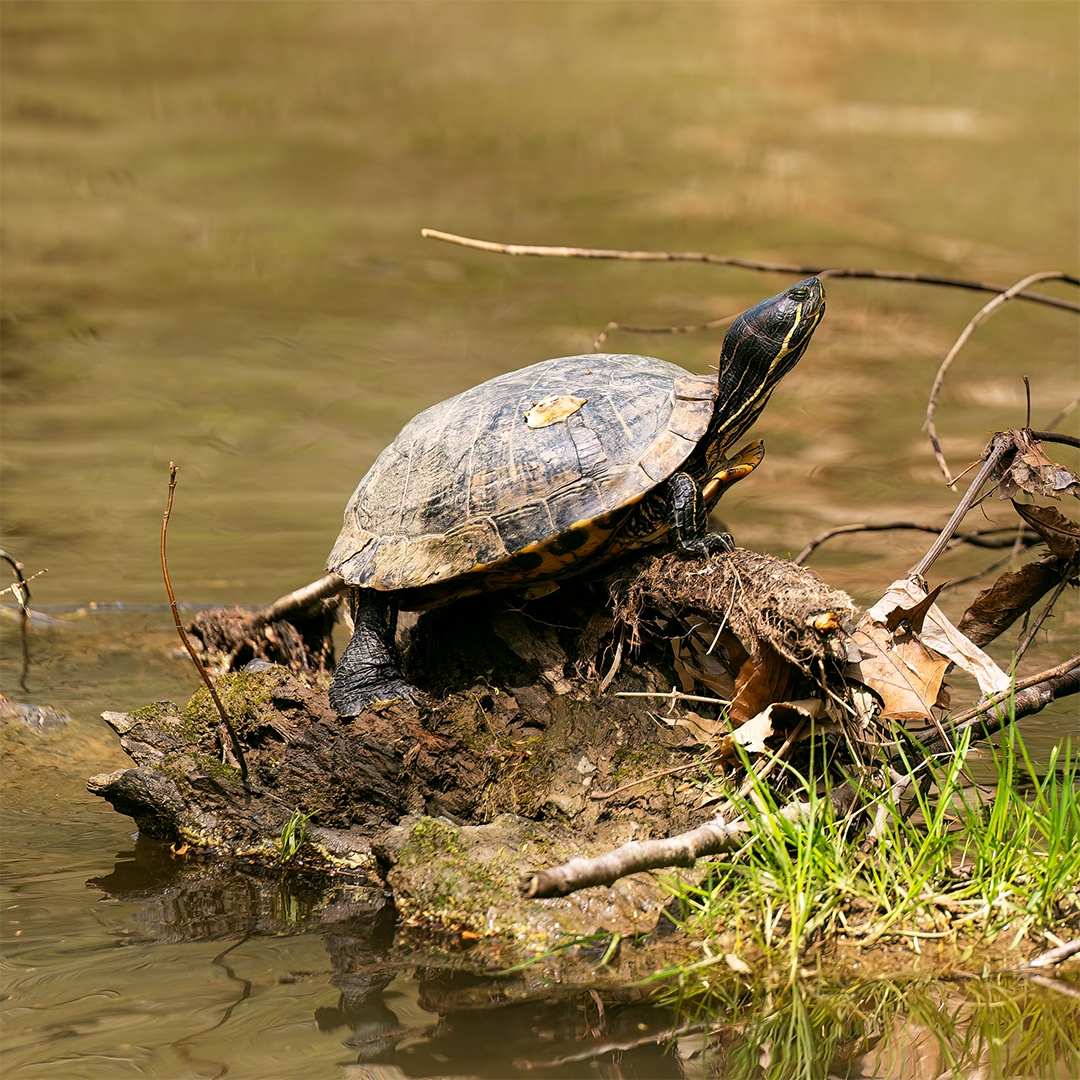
(553, 410)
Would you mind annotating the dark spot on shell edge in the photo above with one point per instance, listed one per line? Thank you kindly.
(527, 560)
(569, 540)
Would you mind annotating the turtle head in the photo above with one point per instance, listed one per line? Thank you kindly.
(761, 346)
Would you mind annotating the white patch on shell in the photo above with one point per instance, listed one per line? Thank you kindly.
(553, 410)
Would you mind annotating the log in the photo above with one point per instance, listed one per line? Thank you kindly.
(522, 753)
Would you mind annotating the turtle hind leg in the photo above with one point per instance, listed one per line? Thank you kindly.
(368, 670)
(688, 516)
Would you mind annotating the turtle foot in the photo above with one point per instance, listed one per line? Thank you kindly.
(707, 544)
(351, 692)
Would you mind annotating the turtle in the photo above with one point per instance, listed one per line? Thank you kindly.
(549, 471)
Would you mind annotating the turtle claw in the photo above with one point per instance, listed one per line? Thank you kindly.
(707, 544)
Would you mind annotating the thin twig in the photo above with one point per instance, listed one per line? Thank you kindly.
(983, 313)
(1060, 671)
(659, 774)
(698, 328)
(233, 743)
(1026, 696)
(1001, 444)
(20, 590)
(672, 696)
(983, 538)
(746, 264)
(1029, 637)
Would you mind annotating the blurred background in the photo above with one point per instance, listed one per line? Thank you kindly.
(212, 255)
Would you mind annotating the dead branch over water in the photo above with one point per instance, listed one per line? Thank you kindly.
(982, 314)
(797, 269)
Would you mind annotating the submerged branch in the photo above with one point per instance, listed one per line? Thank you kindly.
(1052, 956)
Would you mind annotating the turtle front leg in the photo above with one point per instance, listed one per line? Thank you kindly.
(688, 518)
(368, 670)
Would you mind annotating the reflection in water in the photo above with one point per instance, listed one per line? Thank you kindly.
(399, 1019)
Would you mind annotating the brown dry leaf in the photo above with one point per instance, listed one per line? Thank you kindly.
(702, 729)
(940, 636)
(694, 660)
(1032, 471)
(763, 679)
(1062, 534)
(906, 675)
(994, 610)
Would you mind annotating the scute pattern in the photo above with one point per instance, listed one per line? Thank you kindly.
(467, 484)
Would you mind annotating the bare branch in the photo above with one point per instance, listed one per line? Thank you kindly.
(1001, 445)
(1029, 637)
(1029, 695)
(983, 313)
(983, 538)
(746, 264)
(712, 838)
(302, 600)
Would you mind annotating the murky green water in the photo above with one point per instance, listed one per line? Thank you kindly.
(211, 255)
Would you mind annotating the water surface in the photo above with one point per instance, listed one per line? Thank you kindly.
(211, 255)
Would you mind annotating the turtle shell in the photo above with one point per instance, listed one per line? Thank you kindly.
(521, 478)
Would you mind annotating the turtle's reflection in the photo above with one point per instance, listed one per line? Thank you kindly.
(394, 1013)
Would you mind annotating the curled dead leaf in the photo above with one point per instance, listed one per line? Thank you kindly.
(915, 614)
(1062, 534)
(1032, 471)
(940, 636)
(780, 716)
(1015, 592)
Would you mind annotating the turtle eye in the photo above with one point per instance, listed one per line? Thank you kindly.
(799, 293)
